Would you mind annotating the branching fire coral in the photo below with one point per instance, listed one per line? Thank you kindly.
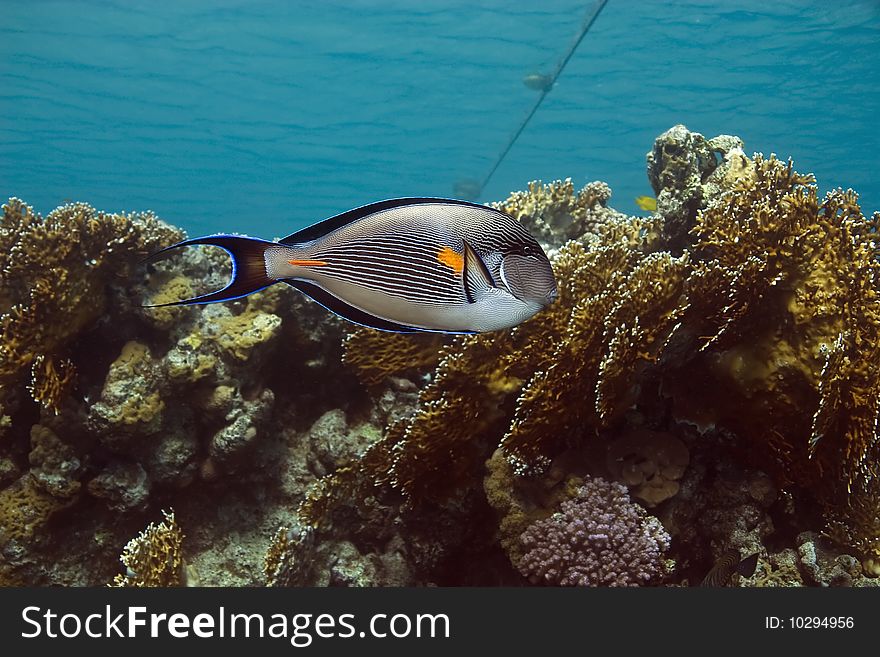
(553, 212)
(154, 557)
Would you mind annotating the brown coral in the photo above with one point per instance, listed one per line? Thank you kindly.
(783, 302)
(51, 381)
(154, 557)
(554, 212)
(376, 355)
(649, 462)
(25, 508)
(288, 560)
(54, 271)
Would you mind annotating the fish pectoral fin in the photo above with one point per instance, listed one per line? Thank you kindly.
(345, 310)
(475, 274)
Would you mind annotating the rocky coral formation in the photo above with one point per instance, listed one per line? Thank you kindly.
(681, 169)
(597, 538)
(134, 404)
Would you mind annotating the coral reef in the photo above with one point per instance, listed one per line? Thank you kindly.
(712, 362)
(598, 538)
(553, 212)
(55, 272)
(767, 281)
(131, 405)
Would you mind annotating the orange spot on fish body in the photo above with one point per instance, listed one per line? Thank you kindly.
(451, 259)
(307, 263)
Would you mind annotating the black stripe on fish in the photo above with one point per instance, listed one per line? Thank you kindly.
(414, 247)
(426, 264)
(475, 275)
(380, 273)
(322, 228)
(418, 274)
(410, 290)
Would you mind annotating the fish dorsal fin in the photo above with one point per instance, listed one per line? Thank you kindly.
(318, 230)
(474, 273)
(345, 310)
(747, 566)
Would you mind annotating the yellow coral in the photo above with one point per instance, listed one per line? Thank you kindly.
(288, 560)
(376, 355)
(142, 405)
(51, 381)
(240, 334)
(554, 209)
(154, 557)
(785, 298)
(175, 289)
(24, 509)
(54, 271)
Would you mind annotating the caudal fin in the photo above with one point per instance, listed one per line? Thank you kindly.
(248, 267)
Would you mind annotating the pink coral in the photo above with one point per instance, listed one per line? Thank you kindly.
(598, 538)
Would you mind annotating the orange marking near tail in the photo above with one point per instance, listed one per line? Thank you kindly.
(307, 263)
(451, 259)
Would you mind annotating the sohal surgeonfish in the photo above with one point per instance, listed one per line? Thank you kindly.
(408, 264)
(729, 563)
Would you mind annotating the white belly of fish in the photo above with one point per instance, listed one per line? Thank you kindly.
(494, 310)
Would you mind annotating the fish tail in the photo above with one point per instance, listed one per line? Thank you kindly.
(249, 272)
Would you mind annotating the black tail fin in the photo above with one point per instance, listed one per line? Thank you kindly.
(248, 267)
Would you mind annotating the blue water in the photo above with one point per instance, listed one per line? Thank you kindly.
(262, 117)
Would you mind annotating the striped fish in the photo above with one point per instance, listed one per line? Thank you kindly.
(729, 563)
(408, 264)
